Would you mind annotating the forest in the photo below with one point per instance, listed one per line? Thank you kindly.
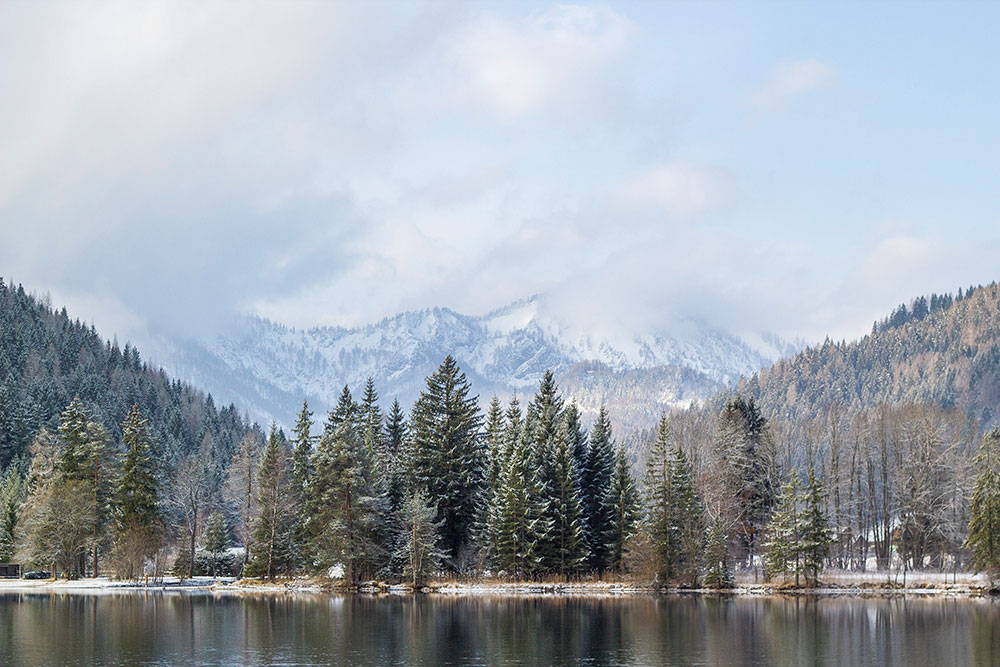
(111, 468)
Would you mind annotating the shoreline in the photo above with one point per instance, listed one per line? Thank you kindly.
(974, 588)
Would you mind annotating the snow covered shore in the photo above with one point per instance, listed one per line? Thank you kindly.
(923, 584)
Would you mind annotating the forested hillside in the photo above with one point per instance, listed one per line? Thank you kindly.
(47, 358)
(939, 350)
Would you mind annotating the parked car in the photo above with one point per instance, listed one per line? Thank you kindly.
(37, 574)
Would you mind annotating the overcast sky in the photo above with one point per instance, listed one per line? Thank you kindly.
(794, 167)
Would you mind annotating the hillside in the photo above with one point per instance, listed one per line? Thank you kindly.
(47, 358)
(267, 367)
(941, 350)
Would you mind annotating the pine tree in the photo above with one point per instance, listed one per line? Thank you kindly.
(717, 571)
(625, 500)
(561, 550)
(304, 442)
(273, 536)
(596, 485)
(13, 491)
(687, 519)
(522, 522)
(395, 436)
(444, 455)
(660, 519)
(215, 538)
(783, 551)
(138, 516)
(419, 548)
(346, 509)
(487, 512)
(984, 525)
(815, 543)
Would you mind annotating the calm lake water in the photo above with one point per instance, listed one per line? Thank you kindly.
(206, 629)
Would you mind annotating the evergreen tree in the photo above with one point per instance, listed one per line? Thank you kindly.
(687, 519)
(783, 550)
(345, 412)
(561, 549)
(717, 571)
(138, 516)
(596, 486)
(394, 437)
(216, 538)
(346, 509)
(984, 525)
(444, 455)
(13, 492)
(304, 442)
(419, 549)
(522, 523)
(660, 519)
(275, 551)
(370, 415)
(487, 512)
(815, 543)
(625, 500)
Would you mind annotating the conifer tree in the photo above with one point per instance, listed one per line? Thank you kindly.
(596, 486)
(215, 538)
(370, 415)
(659, 501)
(138, 516)
(522, 522)
(717, 571)
(13, 491)
(687, 519)
(346, 509)
(444, 456)
(393, 439)
(783, 552)
(815, 544)
(303, 442)
(625, 500)
(984, 525)
(274, 526)
(419, 547)
(487, 512)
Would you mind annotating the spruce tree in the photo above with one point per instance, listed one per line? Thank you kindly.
(596, 486)
(687, 519)
(216, 538)
(522, 524)
(303, 442)
(370, 415)
(346, 508)
(659, 501)
(138, 517)
(444, 455)
(815, 543)
(394, 437)
(984, 525)
(783, 549)
(419, 549)
(625, 500)
(275, 549)
(487, 512)
(718, 574)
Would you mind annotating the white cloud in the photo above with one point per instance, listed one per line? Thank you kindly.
(678, 188)
(553, 60)
(790, 80)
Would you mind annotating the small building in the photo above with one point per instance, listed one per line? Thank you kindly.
(10, 571)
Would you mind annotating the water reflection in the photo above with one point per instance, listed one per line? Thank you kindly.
(205, 629)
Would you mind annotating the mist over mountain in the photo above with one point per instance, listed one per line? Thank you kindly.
(267, 368)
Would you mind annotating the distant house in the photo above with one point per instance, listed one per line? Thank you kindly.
(10, 571)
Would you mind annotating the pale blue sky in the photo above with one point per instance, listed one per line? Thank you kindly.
(794, 167)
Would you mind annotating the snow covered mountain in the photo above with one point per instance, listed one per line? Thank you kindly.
(268, 368)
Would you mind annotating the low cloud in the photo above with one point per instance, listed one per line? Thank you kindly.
(680, 189)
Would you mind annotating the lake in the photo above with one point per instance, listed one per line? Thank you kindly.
(302, 629)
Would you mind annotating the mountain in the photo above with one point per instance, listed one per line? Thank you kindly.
(267, 368)
(940, 350)
(47, 358)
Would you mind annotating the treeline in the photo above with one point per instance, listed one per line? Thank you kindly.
(47, 359)
(518, 492)
(940, 351)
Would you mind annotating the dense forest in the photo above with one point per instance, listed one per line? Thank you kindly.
(113, 468)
